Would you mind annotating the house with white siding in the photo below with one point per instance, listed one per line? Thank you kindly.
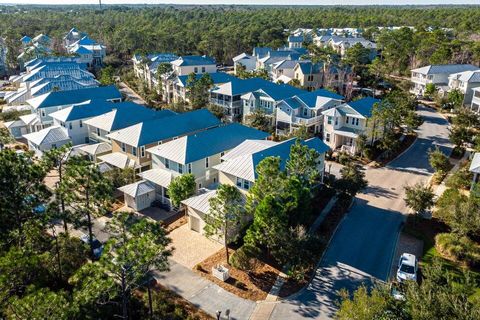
(194, 64)
(475, 106)
(246, 60)
(343, 124)
(46, 139)
(305, 110)
(465, 82)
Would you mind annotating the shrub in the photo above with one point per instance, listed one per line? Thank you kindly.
(344, 158)
(368, 152)
(244, 257)
(460, 180)
(199, 267)
(461, 249)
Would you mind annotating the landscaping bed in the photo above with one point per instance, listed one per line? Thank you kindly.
(252, 285)
(325, 232)
(175, 222)
(403, 145)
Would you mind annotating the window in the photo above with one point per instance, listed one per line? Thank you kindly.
(203, 69)
(81, 124)
(346, 120)
(70, 125)
(327, 137)
(98, 131)
(123, 147)
(167, 163)
(134, 151)
(54, 146)
(310, 78)
(189, 168)
(199, 186)
(239, 182)
(356, 122)
(329, 120)
(180, 168)
(87, 140)
(246, 184)
(336, 121)
(195, 70)
(207, 160)
(43, 113)
(142, 151)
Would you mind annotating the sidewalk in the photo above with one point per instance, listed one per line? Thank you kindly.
(205, 294)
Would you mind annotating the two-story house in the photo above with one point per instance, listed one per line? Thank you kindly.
(228, 95)
(342, 125)
(73, 118)
(129, 145)
(46, 139)
(194, 64)
(305, 110)
(465, 82)
(196, 154)
(309, 75)
(180, 85)
(295, 41)
(238, 168)
(283, 71)
(435, 74)
(53, 101)
(89, 51)
(266, 98)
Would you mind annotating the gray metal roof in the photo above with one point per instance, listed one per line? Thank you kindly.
(137, 188)
(50, 135)
(161, 177)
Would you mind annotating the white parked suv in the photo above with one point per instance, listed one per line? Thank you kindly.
(407, 268)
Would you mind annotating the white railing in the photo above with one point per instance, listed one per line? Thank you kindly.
(307, 121)
(347, 149)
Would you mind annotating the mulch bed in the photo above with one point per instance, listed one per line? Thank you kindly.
(407, 142)
(325, 232)
(253, 285)
(175, 222)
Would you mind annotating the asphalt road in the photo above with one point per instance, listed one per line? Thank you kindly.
(362, 248)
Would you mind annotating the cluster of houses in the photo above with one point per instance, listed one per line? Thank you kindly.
(75, 44)
(448, 77)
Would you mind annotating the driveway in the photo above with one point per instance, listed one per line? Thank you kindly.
(191, 247)
(363, 246)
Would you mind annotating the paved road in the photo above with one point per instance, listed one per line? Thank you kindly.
(364, 243)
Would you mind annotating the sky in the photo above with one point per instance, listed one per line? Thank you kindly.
(249, 2)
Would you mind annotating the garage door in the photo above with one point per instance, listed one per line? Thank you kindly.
(195, 224)
(144, 201)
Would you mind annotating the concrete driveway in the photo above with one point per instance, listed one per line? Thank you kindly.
(362, 248)
(191, 247)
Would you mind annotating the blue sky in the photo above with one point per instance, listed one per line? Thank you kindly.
(273, 2)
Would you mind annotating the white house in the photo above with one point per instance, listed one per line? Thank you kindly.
(180, 88)
(475, 106)
(465, 82)
(89, 51)
(342, 125)
(246, 60)
(46, 139)
(305, 110)
(475, 168)
(435, 74)
(295, 41)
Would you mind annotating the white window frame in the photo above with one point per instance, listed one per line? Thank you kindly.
(142, 151)
(189, 168)
(207, 162)
(134, 151)
(123, 146)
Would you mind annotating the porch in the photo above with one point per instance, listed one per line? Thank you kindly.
(344, 140)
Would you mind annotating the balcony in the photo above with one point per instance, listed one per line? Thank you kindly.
(307, 121)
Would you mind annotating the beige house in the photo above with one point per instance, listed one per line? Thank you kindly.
(195, 154)
(342, 125)
(310, 75)
(238, 168)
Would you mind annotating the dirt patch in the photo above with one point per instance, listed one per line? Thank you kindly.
(253, 285)
(175, 222)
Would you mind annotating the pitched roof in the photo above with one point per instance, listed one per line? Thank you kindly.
(126, 114)
(244, 166)
(206, 143)
(85, 110)
(217, 77)
(467, 76)
(307, 67)
(165, 128)
(82, 50)
(96, 148)
(48, 135)
(240, 86)
(445, 68)
(285, 64)
(119, 160)
(161, 177)
(242, 56)
(280, 91)
(200, 202)
(193, 61)
(364, 106)
(137, 188)
(295, 38)
(61, 98)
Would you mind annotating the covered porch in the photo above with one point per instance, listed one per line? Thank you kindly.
(344, 140)
(160, 179)
(95, 150)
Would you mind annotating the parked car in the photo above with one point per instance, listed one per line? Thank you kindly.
(407, 267)
(97, 245)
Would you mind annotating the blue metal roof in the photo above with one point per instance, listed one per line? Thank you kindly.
(364, 106)
(181, 124)
(195, 60)
(295, 39)
(282, 150)
(61, 98)
(219, 139)
(92, 109)
(129, 113)
(281, 91)
(217, 78)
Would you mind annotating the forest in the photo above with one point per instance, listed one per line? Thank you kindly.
(220, 31)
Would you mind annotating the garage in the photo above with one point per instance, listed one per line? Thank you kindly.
(194, 223)
(138, 195)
